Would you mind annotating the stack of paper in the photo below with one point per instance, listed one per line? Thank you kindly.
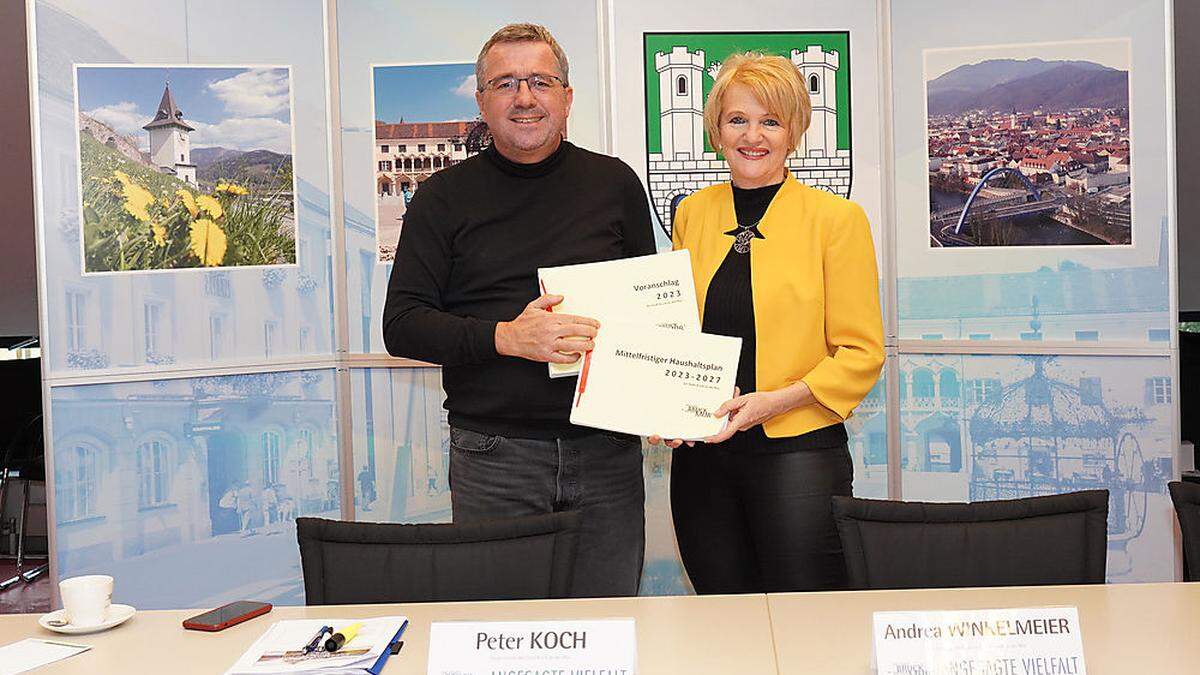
(654, 290)
(652, 371)
(644, 381)
(281, 648)
(31, 653)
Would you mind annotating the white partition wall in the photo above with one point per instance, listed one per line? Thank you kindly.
(219, 200)
(196, 479)
(1038, 349)
(1034, 95)
(188, 341)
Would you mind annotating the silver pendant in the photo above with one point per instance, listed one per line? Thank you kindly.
(741, 243)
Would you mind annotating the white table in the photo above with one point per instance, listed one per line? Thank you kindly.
(1128, 629)
(716, 634)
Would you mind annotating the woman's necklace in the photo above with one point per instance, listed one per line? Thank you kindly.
(744, 234)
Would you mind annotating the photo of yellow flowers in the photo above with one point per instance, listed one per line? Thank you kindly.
(202, 179)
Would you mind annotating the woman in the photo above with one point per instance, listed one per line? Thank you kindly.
(790, 270)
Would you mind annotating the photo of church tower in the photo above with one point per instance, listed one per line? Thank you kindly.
(169, 149)
(680, 71)
(202, 179)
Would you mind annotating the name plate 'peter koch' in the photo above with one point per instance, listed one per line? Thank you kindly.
(1033, 641)
(597, 647)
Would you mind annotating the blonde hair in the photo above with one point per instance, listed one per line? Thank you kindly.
(522, 32)
(774, 81)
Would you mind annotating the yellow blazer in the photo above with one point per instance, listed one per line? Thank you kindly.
(816, 294)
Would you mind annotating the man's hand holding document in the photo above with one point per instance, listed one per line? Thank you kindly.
(650, 381)
(655, 290)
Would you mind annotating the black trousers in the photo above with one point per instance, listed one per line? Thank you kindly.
(599, 475)
(759, 523)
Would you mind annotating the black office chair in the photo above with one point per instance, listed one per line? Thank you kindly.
(511, 559)
(1057, 539)
(1186, 497)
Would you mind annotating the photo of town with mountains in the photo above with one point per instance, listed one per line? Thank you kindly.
(202, 179)
(1029, 151)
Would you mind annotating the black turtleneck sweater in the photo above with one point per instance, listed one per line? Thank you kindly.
(470, 246)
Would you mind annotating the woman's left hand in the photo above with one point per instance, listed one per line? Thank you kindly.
(758, 407)
(749, 410)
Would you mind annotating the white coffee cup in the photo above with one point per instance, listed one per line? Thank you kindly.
(86, 599)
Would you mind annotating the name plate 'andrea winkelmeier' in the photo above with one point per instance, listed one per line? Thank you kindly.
(1029, 641)
(596, 647)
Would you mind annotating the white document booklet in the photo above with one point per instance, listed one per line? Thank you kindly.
(656, 290)
(644, 380)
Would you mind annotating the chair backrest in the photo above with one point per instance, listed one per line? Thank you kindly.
(1187, 507)
(1056, 539)
(518, 558)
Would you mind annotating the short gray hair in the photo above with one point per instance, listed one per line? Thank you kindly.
(523, 32)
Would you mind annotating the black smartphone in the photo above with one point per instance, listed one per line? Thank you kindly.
(228, 615)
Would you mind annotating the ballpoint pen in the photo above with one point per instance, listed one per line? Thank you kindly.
(63, 644)
(315, 642)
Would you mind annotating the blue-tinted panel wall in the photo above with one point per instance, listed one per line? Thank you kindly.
(401, 445)
(1003, 427)
(402, 453)
(868, 443)
(186, 491)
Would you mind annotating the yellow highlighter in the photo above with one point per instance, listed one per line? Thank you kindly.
(341, 637)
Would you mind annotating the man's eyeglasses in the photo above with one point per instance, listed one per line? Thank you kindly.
(538, 84)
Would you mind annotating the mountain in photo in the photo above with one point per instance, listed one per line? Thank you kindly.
(255, 166)
(212, 164)
(1023, 85)
(976, 77)
(202, 157)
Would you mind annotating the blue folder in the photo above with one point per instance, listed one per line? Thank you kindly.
(378, 667)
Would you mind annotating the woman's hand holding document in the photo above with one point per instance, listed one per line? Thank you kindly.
(645, 380)
(656, 290)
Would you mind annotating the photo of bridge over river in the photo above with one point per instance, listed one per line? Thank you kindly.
(1029, 145)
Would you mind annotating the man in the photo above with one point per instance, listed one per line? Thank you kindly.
(366, 487)
(246, 507)
(464, 294)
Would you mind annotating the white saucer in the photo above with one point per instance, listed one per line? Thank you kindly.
(117, 615)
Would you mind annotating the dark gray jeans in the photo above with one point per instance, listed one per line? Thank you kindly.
(599, 475)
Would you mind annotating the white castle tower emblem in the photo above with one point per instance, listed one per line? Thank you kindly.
(684, 166)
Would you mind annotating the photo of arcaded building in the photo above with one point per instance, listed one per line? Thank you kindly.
(406, 153)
